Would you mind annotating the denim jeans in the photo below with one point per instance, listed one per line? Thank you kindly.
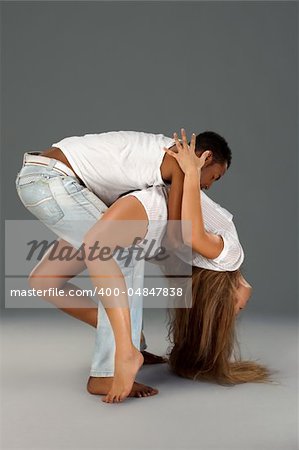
(70, 210)
(103, 356)
(59, 201)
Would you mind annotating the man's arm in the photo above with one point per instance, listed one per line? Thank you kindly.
(173, 232)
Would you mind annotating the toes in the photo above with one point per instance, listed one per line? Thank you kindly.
(109, 398)
(123, 396)
(141, 392)
(154, 392)
(146, 393)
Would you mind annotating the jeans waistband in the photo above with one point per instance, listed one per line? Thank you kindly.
(36, 158)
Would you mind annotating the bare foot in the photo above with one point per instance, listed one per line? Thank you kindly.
(126, 368)
(101, 386)
(150, 358)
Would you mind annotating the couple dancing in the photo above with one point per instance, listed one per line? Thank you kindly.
(142, 178)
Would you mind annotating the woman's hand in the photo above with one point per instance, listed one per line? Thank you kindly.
(186, 156)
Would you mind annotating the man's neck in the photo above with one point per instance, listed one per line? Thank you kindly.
(167, 165)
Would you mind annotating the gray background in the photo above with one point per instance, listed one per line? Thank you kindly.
(70, 68)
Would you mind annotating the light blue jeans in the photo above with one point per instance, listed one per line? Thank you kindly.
(103, 357)
(70, 210)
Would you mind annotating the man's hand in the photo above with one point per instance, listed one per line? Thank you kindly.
(186, 156)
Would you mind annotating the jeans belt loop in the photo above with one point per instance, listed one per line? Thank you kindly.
(24, 156)
(51, 163)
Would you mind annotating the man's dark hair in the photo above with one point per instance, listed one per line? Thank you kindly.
(209, 140)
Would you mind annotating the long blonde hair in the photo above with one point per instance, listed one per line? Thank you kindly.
(204, 337)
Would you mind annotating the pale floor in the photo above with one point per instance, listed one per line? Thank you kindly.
(44, 404)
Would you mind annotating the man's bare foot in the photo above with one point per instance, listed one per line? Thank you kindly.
(150, 358)
(126, 368)
(101, 386)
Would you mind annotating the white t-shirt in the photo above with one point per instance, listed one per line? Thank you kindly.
(217, 220)
(113, 163)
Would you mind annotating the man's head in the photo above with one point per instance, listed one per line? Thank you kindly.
(217, 164)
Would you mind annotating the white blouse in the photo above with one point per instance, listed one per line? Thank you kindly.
(217, 220)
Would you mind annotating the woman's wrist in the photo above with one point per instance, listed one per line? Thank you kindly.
(193, 172)
(192, 178)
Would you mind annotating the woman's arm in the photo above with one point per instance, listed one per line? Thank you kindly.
(207, 244)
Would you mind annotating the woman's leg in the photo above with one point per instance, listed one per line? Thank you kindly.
(70, 210)
(48, 274)
(55, 274)
(82, 307)
(128, 359)
(102, 367)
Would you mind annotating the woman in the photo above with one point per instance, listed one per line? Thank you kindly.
(203, 336)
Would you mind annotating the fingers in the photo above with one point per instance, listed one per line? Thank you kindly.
(184, 139)
(185, 145)
(170, 152)
(177, 142)
(193, 142)
(185, 142)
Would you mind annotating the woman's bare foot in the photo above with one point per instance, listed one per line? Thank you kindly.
(150, 358)
(126, 368)
(101, 386)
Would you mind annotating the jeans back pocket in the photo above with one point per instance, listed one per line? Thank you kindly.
(35, 194)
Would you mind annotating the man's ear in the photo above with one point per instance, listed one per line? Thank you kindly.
(209, 160)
